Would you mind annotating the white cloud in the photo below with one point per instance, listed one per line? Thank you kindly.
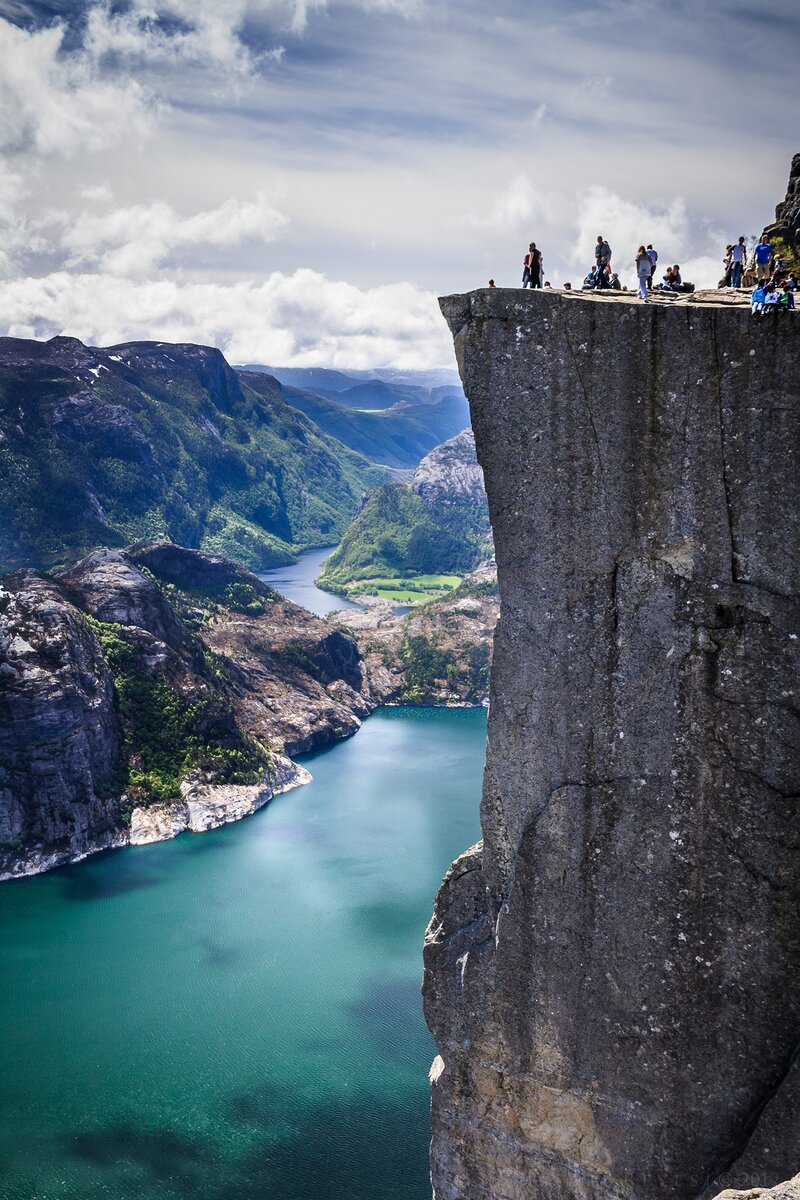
(131, 241)
(302, 319)
(57, 103)
(512, 208)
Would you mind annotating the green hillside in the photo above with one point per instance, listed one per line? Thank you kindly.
(395, 437)
(398, 533)
(153, 440)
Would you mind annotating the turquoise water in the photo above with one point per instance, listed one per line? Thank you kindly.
(237, 1014)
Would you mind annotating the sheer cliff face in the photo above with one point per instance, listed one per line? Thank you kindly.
(612, 977)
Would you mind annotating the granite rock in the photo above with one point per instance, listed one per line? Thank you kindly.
(611, 977)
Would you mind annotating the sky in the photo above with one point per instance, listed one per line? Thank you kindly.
(296, 181)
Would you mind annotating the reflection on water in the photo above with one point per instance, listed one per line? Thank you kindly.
(243, 1022)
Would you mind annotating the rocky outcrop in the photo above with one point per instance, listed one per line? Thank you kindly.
(787, 214)
(451, 473)
(153, 690)
(207, 806)
(784, 1191)
(612, 976)
(60, 738)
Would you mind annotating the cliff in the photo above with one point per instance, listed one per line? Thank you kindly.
(611, 976)
(787, 214)
(157, 689)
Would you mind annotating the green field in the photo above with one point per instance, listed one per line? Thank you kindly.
(416, 589)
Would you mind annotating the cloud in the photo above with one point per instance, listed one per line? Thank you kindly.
(514, 207)
(131, 241)
(56, 102)
(302, 319)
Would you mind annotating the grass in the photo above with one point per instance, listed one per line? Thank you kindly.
(414, 590)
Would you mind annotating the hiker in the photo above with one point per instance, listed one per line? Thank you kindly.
(590, 281)
(644, 269)
(615, 283)
(532, 267)
(786, 299)
(792, 282)
(653, 256)
(758, 298)
(602, 254)
(771, 298)
(763, 254)
(738, 260)
(491, 283)
(726, 262)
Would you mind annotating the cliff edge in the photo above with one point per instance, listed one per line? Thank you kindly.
(611, 976)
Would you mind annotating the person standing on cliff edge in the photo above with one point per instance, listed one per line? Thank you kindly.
(602, 253)
(644, 269)
(532, 267)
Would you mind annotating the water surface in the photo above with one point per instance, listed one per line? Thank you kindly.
(236, 1014)
(296, 582)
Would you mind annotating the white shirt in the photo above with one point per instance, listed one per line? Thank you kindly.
(738, 253)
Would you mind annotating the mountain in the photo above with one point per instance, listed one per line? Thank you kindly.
(325, 380)
(156, 689)
(438, 523)
(100, 447)
(393, 420)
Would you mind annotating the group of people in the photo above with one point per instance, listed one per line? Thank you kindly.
(601, 276)
(774, 288)
(765, 265)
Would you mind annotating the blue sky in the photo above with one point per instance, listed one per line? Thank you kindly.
(297, 180)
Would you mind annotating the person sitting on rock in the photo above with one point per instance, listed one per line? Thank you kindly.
(771, 298)
(590, 281)
(792, 282)
(786, 299)
(615, 283)
(758, 298)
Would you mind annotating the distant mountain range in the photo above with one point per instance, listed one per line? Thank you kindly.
(393, 419)
(102, 447)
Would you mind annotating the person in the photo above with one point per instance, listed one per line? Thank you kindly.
(532, 267)
(771, 298)
(590, 281)
(792, 282)
(738, 259)
(786, 299)
(547, 283)
(726, 262)
(615, 283)
(644, 269)
(602, 254)
(653, 256)
(758, 298)
(763, 254)
(491, 283)
(567, 287)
